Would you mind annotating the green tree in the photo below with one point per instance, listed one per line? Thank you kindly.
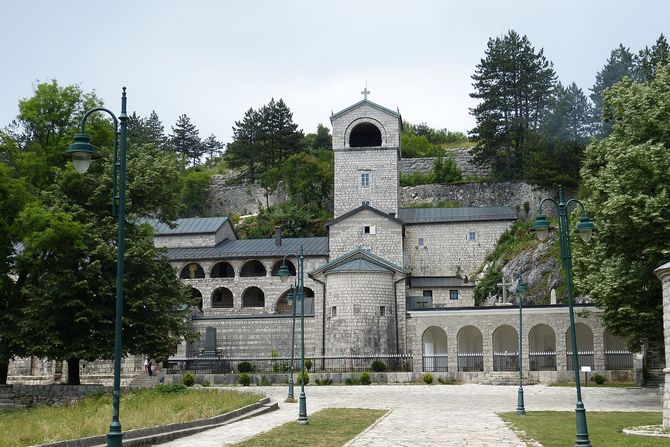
(185, 140)
(309, 177)
(514, 85)
(650, 59)
(414, 146)
(445, 170)
(295, 220)
(322, 139)
(626, 177)
(146, 130)
(621, 63)
(196, 184)
(212, 147)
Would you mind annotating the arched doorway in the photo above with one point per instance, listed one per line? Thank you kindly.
(505, 349)
(252, 268)
(435, 349)
(470, 349)
(542, 346)
(197, 295)
(617, 355)
(222, 298)
(365, 135)
(253, 297)
(192, 271)
(584, 346)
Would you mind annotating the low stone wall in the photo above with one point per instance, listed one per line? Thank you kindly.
(52, 394)
(463, 158)
(513, 194)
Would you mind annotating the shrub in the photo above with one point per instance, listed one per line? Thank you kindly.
(416, 178)
(170, 388)
(265, 381)
(428, 378)
(245, 380)
(378, 366)
(365, 378)
(204, 382)
(245, 367)
(599, 379)
(326, 381)
(445, 170)
(308, 364)
(447, 381)
(300, 377)
(352, 381)
(188, 379)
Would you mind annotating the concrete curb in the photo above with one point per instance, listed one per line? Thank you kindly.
(163, 433)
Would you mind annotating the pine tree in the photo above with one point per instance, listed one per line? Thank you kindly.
(185, 139)
(514, 84)
(212, 146)
(620, 63)
(146, 130)
(649, 60)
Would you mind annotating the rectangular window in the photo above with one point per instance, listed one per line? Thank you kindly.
(428, 293)
(421, 242)
(333, 311)
(365, 179)
(472, 235)
(366, 229)
(453, 294)
(382, 311)
(365, 248)
(365, 203)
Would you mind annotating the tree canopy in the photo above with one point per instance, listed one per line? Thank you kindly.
(626, 177)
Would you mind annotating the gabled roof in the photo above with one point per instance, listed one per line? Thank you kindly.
(434, 215)
(363, 208)
(191, 225)
(252, 248)
(359, 260)
(364, 102)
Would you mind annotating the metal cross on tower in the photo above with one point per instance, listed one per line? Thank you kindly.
(365, 92)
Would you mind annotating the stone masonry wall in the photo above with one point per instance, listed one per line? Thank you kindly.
(441, 297)
(349, 234)
(389, 126)
(225, 200)
(474, 194)
(52, 394)
(358, 328)
(462, 157)
(447, 251)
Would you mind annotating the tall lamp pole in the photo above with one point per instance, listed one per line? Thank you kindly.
(292, 300)
(585, 229)
(81, 152)
(520, 293)
(299, 295)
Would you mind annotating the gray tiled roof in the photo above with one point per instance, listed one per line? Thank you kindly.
(191, 225)
(430, 215)
(252, 248)
(360, 265)
(361, 102)
(420, 282)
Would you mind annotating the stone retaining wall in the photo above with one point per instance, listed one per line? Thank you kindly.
(463, 158)
(52, 394)
(513, 194)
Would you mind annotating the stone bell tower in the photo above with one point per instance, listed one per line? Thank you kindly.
(366, 145)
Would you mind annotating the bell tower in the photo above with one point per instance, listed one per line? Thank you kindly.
(366, 145)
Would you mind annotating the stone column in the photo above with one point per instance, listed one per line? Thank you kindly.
(663, 273)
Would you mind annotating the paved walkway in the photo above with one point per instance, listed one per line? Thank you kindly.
(421, 415)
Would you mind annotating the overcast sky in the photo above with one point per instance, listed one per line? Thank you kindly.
(214, 59)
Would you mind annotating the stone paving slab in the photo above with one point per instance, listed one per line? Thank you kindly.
(423, 415)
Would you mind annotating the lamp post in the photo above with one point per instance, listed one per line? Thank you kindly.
(292, 300)
(585, 229)
(81, 152)
(299, 295)
(520, 294)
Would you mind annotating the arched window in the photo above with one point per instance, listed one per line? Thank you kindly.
(584, 346)
(196, 294)
(365, 135)
(253, 297)
(252, 268)
(434, 349)
(542, 347)
(470, 349)
(192, 271)
(505, 349)
(222, 298)
(222, 270)
(278, 264)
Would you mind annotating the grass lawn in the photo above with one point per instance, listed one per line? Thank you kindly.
(331, 427)
(558, 428)
(92, 415)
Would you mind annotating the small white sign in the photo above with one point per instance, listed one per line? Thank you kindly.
(586, 369)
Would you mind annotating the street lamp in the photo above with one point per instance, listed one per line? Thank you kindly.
(520, 293)
(291, 298)
(585, 229)
(81, 152)
(299, 295)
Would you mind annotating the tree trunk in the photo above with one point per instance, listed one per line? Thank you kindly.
(4, 370)
(73, 372)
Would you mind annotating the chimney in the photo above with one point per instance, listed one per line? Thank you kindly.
(278, 236)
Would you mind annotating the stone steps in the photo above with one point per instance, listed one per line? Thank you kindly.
(146, 381)
(653, 378)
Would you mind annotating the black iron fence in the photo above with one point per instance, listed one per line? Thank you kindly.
(542, 361)
(585, 359)
(470, 361)
(618, 360)
(222, 365)
(435, 362)
(505, 361)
